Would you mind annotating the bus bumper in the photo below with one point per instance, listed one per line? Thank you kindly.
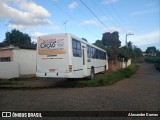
(56, 75)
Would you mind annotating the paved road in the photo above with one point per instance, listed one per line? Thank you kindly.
(141, 92)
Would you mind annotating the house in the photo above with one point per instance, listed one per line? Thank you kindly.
(17, 61)
(149, 54)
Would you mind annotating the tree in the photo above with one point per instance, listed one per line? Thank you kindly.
(17, 37)
(151, 49)
(84, 39)
(112, 43)
(99, 43)
(111, 39)
(130, 49)
(134, 51)
(158, 52)
(138, 52)
(124, 54)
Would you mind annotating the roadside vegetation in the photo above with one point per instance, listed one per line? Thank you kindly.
(155, 60)
(106, 79)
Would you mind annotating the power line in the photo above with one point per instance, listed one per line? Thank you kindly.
(117, 13)
(94, 15)
(113, 17)
(74, 19)
(115, 21)
(101, 11)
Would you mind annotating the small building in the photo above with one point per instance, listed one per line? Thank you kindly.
(149, 54)
(17, 61)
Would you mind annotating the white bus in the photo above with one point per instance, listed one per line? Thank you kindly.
(67, 56)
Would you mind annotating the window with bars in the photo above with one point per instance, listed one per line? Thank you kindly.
(5, 59)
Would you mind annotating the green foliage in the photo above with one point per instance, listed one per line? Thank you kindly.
(151, 49)
(17, 37)
(152, 59)
(111, 39)
(124, 54)
(158, 52)
(134, 52)
(137, 52)
(157, 66)
(99, 43)
(84, 39)
(107, 79)
(155, 60)
(112, 43)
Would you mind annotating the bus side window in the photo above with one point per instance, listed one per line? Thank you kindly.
(76, 47)
(88, 51)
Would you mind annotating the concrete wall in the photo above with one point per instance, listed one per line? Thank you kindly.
(26, 60)
(116, 65)
(8, 70)
(129, 62)
(124, 64)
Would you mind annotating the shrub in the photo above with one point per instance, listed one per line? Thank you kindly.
(157, 65)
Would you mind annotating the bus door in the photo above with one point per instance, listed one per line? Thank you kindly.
(84, 58)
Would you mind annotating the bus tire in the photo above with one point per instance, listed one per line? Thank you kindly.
(92, 74)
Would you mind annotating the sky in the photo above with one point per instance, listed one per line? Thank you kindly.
(85, 19)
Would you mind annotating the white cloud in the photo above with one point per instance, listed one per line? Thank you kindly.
(104, 18)
(36, 34)
(22, 14)
(89, 22)
(72, 5)
(143, 12)
(106, 2)
(147, 39)
(112, 29)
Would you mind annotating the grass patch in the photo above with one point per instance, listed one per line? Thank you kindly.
(155, 60)
(152, 59)
(107, 79)
(157, 66)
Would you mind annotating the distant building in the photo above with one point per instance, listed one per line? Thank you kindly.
(22, 60)
(149, 54)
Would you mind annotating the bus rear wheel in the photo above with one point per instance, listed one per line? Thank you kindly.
(92, 74)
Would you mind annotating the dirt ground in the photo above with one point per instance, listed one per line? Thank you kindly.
(141, 92)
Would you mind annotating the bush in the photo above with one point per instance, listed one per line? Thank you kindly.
(152, 60)
(155, 60)
(157, 66)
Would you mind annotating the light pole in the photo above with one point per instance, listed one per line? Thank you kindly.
(126, 37)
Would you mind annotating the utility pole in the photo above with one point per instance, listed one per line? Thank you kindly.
(65, 25)
(126, 37)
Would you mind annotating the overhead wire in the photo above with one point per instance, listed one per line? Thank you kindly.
(115, 21)
(117, 14)
(95, 15)
(75, 20)
(102, 12)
